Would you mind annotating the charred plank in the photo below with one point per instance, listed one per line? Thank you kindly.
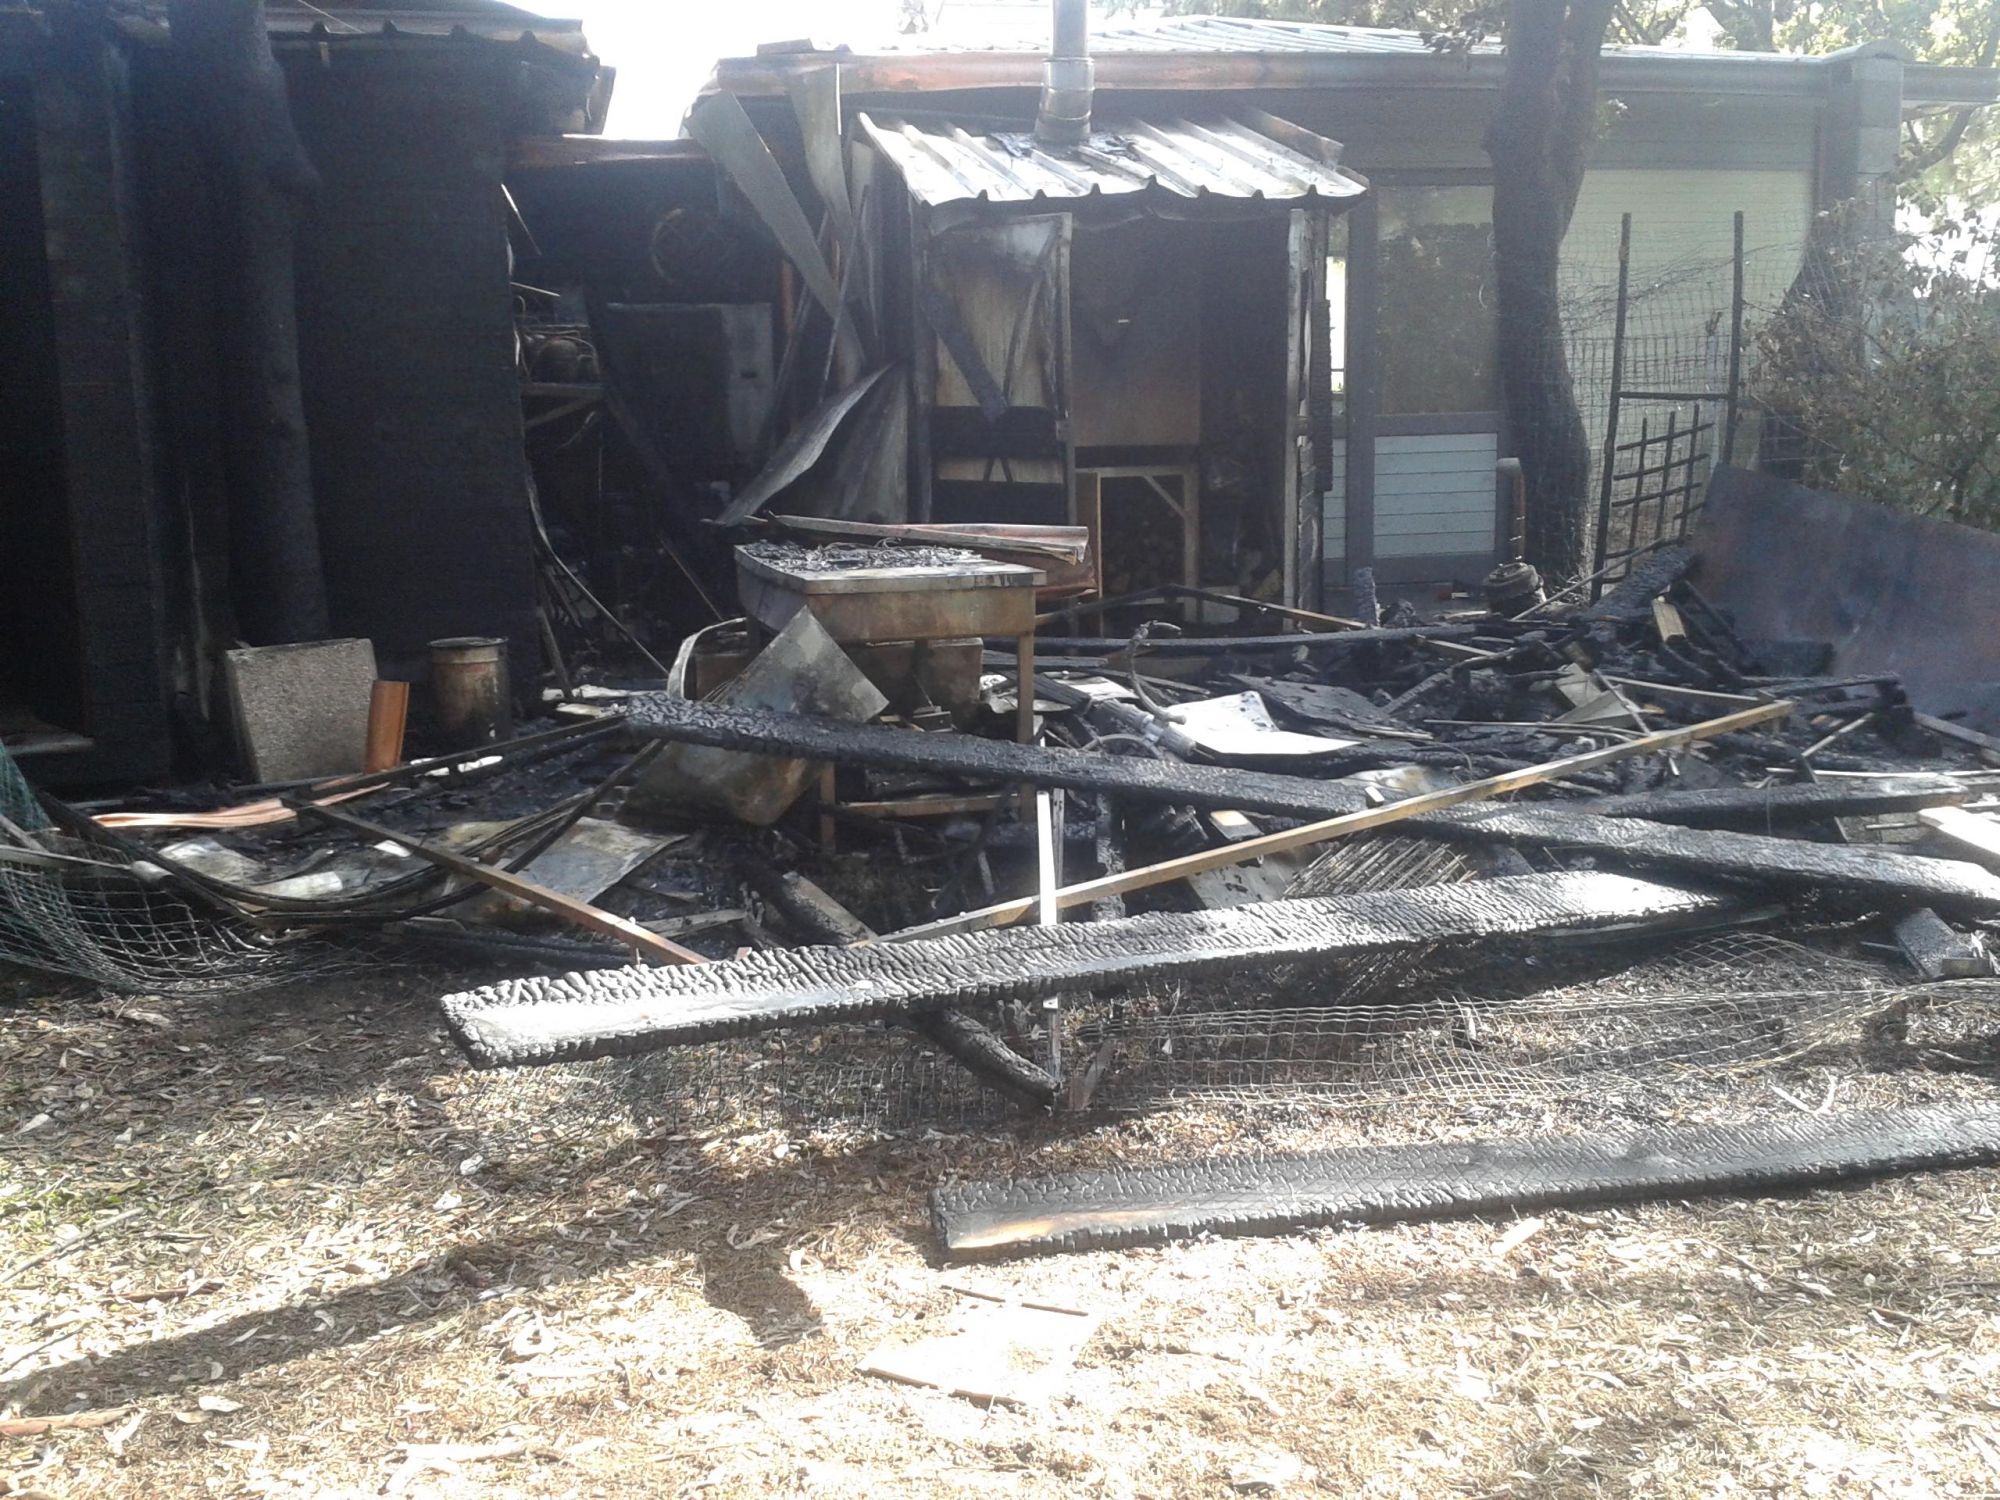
(624, 1012)
(1783, 864)
(973, 758)
(1391, 1184)
(1937, 950)
(1630, 600)
(1252, 645)
(1781, 806)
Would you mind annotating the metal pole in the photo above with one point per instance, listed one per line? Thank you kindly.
(1049, 826)
(1669, 461)
(1735, 347)
(1611, 418)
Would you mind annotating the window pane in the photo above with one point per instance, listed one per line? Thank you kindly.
(1435, 343)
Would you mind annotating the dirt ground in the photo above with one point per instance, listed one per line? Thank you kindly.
(293, 1247)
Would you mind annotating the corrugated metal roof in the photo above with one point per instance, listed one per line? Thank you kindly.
(488, 20)
(1222, 158)
(1305, 54)
(1239, 34)
(1235, 34)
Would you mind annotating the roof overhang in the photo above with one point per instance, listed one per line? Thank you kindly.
(874, 76)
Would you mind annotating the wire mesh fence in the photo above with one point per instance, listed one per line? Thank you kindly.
(77, 906)
(1729, 1025)
(1666, 376)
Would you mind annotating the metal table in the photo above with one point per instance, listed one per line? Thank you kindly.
(898, 602)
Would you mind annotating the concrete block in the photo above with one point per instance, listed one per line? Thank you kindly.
(301, 711)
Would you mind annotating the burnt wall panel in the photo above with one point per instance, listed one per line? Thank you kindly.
(407, 347)
(1136, 333)
(114, 652)
(40, 650)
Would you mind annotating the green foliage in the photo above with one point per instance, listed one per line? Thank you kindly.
(1902, 405)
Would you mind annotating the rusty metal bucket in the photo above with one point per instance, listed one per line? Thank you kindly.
(472, 703)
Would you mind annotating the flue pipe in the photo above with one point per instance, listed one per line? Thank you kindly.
(1067, 79)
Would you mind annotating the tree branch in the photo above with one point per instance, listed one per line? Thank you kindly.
(1947, 142)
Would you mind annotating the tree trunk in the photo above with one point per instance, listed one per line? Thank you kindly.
(1538, 143)
(262, 176)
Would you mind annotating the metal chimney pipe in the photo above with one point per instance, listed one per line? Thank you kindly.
(1067, 79)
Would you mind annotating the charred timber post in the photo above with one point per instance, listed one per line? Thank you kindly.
(1067, 79)
(236, 91)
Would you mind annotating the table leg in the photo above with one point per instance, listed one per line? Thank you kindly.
(1024, 688)
(827, 824)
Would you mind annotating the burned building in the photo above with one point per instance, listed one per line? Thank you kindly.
(124, 570)
(1403, 366)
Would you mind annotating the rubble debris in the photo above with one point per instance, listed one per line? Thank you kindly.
(301, 711)
(803, 671)
(1937, 950)
(1322, 706)
(621, 929)
(841, 559)
(626, 1012)
(1989, 744)
(1393, 1184)
(1422, 812)
(591, 857)
(267, 811)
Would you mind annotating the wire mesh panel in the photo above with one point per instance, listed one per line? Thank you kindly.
(1656, 483)
(72, 905)
(1729, 1023)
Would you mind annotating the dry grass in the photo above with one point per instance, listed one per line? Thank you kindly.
(338, 1248)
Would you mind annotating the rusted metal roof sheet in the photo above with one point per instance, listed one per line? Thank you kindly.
(1245, 157)
(1244, 34)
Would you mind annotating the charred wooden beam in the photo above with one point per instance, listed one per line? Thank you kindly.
(539, 1020)
(983, 760)
(1784, 864)
(825, 921)
(1756, 808)
(1252, 645)
(1393, 1184)
(1937, 950)
(1630, 600)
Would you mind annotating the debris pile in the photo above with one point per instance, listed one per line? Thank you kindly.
(893, 793)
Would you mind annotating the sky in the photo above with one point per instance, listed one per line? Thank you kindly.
(664, 49)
